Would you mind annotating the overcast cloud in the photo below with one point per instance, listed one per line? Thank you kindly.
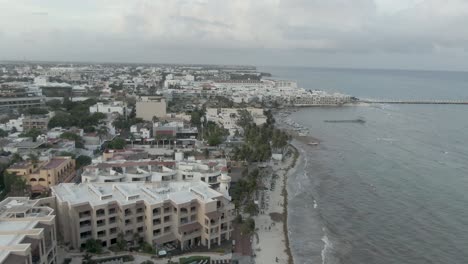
(426, 34)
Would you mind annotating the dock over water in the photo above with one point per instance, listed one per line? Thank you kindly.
(416, 101)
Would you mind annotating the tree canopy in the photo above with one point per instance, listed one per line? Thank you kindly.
(33, 133)
(214, 134)
(3, 133)
(75, 114)
(83, 160)
(117, 143)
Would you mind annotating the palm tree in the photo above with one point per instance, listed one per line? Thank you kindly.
(132, 138)
(102, 132)
(158, 138)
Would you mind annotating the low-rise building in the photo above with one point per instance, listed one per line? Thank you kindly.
(150, 106)
(178, 213)
(13, 124)
(27, 231)
(42, 175)
(109, 108)
(38, 122)
(21, 102)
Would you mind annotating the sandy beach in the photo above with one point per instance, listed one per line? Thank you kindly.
(270, 243)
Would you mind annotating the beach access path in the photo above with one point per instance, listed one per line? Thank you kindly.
(269, 242)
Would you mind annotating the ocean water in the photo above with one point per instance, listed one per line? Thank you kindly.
(392, 190)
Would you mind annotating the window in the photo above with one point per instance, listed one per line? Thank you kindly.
(139, 219)
(155, 211)
(156, 232)
(112, 220)
(101, 233)
(157, 221)
(112, 211)
(100, 222)
(167, 218)
(100, 212)
(167, 229)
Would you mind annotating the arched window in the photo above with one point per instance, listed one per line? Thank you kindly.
(41, 179)
(33, 180)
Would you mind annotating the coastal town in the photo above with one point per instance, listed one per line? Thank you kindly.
(125, 163)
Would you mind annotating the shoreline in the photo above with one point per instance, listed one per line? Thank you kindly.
(271, 235)
(285, 204)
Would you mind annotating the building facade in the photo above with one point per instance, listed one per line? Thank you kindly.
(42, 175)
(27, 231)
(36, 122)
(114, 107)
(150, 106)
(179, 214)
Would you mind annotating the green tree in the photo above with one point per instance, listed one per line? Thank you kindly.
(244, 119)
(102, 132)
(3, 133)
(117, 143)
(93, 246)
(33, 133)
(54, 104)
(83, 160)
(36, 111)
(248, 227)
(15, 185)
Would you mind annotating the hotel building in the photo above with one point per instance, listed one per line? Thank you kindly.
(183, 214)
(27, 231)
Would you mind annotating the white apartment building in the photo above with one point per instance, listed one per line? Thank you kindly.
(27, 231)
(113, 107)
(13, 123)
(120, 170)
(182, 214)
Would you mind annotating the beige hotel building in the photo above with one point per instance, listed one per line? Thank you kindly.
(184, 214)
(27, 231)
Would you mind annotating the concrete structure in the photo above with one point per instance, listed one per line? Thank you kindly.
(21, 102)
(144, 170)
(113, 107)
(150, 106)
(177, 213)
(13, 123)
(42, 175)
(27, 231)
(129, 171)
(36, 122)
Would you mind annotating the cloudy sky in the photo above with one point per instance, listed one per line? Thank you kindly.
(421, 34)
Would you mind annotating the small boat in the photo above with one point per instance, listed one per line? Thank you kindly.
(313, 143)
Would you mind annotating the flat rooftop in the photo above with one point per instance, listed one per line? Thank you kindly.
(55, 163)
(18, 218)
(127, 193)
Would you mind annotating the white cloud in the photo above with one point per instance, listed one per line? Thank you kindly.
(111, 29)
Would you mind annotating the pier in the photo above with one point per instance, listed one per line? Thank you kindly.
(416, 101)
